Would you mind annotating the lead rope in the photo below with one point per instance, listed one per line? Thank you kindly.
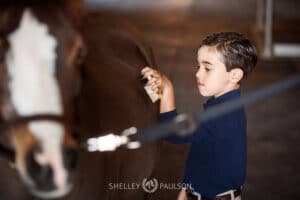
(182, 125)
(186, 123)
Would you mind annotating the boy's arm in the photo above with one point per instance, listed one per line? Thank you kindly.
(167, 100)
(162, 85)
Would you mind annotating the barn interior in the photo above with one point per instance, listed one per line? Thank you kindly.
(174, 29)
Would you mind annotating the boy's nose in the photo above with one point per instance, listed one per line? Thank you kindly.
(197, 74)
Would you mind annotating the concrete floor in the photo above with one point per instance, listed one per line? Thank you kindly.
(273, 124)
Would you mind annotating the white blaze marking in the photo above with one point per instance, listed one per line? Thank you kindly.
(34, 88)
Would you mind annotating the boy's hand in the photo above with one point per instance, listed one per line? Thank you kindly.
(160, 84)
(156, 80)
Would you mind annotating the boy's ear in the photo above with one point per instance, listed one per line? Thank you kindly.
(236, 75)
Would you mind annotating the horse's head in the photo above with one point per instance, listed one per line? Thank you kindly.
(40, 54)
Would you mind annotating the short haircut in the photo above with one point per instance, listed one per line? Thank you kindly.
(237, 51)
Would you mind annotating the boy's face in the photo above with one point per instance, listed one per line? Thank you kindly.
(212, 77)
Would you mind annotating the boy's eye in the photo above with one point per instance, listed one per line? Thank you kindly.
(207, 69)
(197, 67)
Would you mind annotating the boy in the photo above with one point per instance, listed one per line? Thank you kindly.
(216, 164)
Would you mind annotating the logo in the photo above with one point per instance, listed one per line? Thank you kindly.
(150, 185)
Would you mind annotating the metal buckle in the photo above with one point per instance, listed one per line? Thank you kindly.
(128, 132)
(184, 124)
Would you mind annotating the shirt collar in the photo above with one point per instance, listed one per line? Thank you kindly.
(224, 97)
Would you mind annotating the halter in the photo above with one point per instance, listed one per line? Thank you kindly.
(90, 144)
(9, 154)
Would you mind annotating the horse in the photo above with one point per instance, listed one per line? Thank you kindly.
(112, 100)
(47, 75)
(40, 76)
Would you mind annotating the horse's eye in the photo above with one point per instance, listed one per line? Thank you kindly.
(81, 53)
(3, 49)
(2, 55)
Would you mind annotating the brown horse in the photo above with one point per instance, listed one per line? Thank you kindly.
(41, 54)
(40, 58)
(114, 99)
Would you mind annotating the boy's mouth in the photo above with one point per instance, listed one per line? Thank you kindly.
(200, 84)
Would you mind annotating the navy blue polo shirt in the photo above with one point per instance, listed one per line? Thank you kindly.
(218, 153)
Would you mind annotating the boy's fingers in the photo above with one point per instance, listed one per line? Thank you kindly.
(147, 72)
(145, 69)
(150, 71)
(154, 77)
(148, 75)
(151, 81)
(154, 88)
(158, 81)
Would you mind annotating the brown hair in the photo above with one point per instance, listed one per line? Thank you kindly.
(237, 51)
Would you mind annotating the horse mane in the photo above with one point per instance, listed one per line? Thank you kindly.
(76, 11)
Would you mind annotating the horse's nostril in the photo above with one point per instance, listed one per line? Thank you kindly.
(70, 158)
(40, 174)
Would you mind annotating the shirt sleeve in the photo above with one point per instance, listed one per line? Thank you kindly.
(167, 115)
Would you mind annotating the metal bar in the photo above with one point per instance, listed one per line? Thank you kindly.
(286, 50)
(259, 15)
(268, 29)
